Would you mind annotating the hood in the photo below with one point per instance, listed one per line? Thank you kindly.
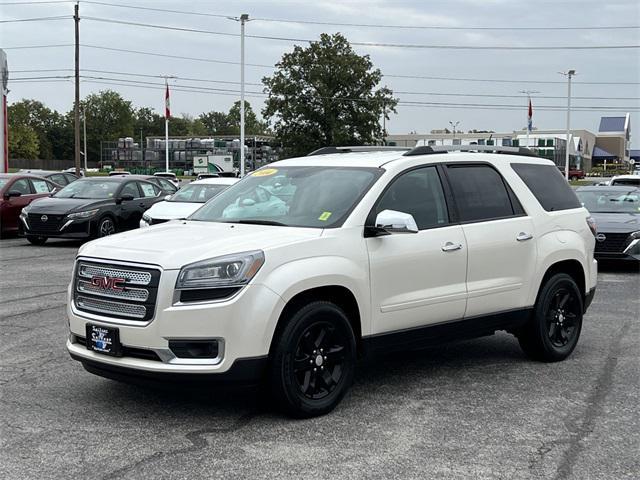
(61, 206)
(179, 243)
(617, 222)
(169, 210)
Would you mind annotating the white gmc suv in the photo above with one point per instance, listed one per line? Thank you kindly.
(304, 266)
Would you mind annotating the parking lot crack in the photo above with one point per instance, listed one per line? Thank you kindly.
(196, 438)
(595, 406)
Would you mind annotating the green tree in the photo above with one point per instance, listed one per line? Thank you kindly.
(23, 142)
(216, 123)
(109, 117)
(220, 123)
(326, 94)
(48, 125)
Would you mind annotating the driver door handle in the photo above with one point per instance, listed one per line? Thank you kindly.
(450, 246)
(523, 236)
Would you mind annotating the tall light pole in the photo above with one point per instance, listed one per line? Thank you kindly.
(244, 18)
(528, 94)
(454, 125)
(568, 74)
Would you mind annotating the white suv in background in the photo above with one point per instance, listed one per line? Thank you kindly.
(302, 267)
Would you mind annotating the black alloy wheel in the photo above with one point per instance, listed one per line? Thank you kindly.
(562, 312)
(106, 227)
(319, 360)
(312, 362)
(553, 330)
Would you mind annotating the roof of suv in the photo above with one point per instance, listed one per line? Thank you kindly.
(380, 158)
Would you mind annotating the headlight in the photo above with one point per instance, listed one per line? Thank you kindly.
(634, 236)
(230, 270)
(25, 209)
(146, 218)
(85, 214)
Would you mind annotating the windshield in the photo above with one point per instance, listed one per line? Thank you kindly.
(197, 193)
(89, 189)
(611, 201)
(292, 196)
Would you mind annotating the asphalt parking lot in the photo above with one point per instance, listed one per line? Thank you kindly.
(475, 409)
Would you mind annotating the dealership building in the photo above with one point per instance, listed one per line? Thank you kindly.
(586, 149)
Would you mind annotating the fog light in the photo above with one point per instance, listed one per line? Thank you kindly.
(194, 348)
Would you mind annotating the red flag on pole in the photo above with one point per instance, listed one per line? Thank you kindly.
(530, 117)
(167, 106)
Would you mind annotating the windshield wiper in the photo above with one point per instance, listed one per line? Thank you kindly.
(260, 222)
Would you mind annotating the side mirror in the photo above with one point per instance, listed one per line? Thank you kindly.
(127, 197)
(391, 221)
(12, 193)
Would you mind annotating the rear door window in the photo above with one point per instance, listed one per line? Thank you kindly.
(131, 188)
(548, 186)
(149, 190)
(59, 178)
(21, 186)
(41, 186)
(480, 193)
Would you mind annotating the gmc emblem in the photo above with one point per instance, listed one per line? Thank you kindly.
(107, 283)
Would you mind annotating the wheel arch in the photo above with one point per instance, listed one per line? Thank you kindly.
(339, 295)
(571, 267)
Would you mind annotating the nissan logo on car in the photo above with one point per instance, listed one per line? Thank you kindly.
(107, 283)
(601, 237)
(44, 218)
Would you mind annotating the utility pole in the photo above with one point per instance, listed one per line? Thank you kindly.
(568, 74)
(84, 137)
(76, 109)
(528, 94)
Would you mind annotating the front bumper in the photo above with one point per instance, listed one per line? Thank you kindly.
(243, 325)
(80, 228)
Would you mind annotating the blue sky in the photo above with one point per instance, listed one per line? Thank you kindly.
(615, 65)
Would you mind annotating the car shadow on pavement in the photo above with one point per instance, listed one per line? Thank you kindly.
(612, 266)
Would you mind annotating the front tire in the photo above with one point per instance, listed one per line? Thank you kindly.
(554, 328)
(106, 227)
(313, 361)
(37, 240)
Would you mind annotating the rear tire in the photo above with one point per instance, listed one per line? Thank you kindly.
(313, 361)
(554, 328)
(37, 240)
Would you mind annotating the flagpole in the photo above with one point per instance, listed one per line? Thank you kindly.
(529, 119)
(167, 114)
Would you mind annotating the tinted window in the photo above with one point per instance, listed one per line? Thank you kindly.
(41, 186)
(149, 190)
(626, 181)
(480, 193)
(167, 185)
(130, 189)
(59, 178)
(70, 178)
(21, 186)
(548, 186)
(418, 192)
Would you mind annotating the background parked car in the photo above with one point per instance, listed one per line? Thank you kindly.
(185, 201)
(18, 190)
(170, 176)
(60, 178)
(90, 207)
(626, 180)
(167, 187)
(616, 210)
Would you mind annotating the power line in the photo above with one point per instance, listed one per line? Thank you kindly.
(399, 92)
(36, 19)
(35, 3)
(227, 62)
(370, 44)
(366, 25)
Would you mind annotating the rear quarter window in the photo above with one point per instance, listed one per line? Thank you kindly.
(548, 186)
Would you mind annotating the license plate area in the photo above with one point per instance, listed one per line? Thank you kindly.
(104, 340)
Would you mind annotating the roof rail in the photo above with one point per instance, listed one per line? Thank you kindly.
(360, 148)
(431, 149)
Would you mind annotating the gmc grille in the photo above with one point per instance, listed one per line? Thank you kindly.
(614, 243)
(117, 291)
